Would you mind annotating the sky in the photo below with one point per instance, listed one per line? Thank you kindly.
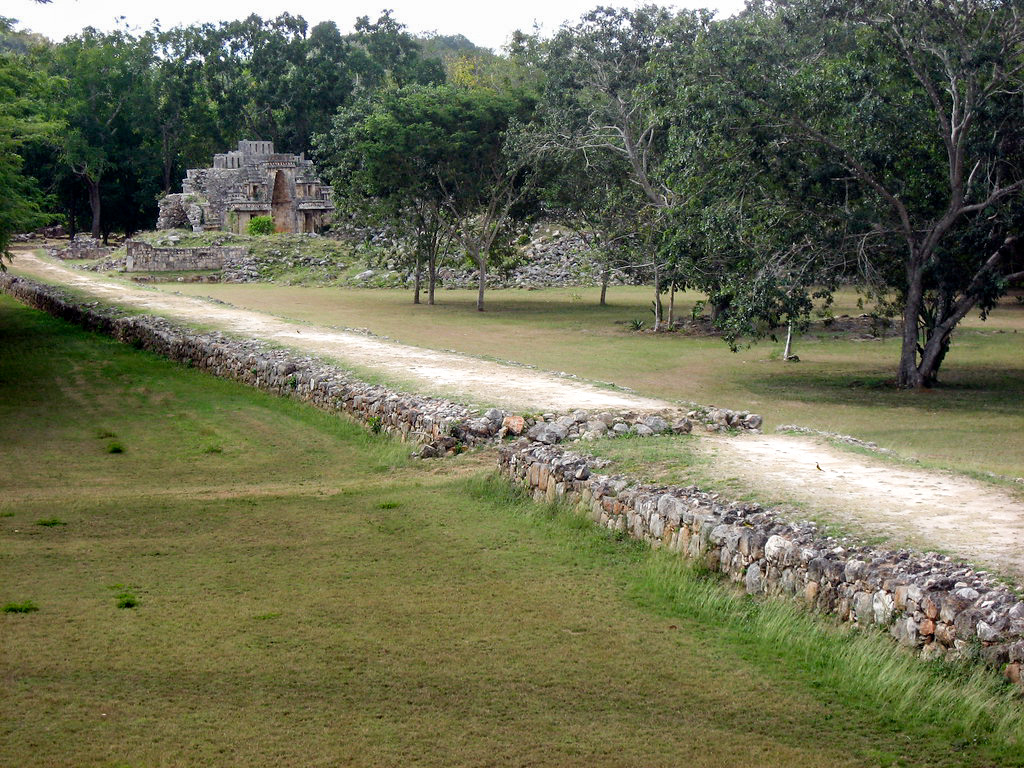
(485, 23)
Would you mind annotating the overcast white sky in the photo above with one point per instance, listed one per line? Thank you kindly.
(485, 23)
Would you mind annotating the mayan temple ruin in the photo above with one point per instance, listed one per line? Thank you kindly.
(251, 181)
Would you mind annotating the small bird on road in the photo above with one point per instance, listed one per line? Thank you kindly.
(819, 467)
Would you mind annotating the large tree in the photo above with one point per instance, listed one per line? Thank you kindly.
(382, 158)
(24, 118)
(435, 156)
(915, 108)
(105, 103)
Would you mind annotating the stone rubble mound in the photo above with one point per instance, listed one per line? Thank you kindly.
(82, 246)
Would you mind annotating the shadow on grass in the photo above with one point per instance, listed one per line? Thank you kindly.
(987, 389)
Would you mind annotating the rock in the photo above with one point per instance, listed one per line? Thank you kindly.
(494, 416)
(987, 633)
(682, 426)
(620, 428)
(597, 427)
(655, 423)
(753, 421)
(514, 424)
(642, 430)
(905, 631)
(863, 607)
(754, 582)
(882, 607)
(549, 433)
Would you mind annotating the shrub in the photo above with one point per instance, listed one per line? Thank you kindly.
(260, 225)
(115, 448)
(26, 607)
(50, 522)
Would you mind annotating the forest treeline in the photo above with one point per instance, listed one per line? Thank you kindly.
(762, 159)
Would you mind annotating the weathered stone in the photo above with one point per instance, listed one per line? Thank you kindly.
(753, 579)
(863, 607)
(251, 181)
(549, 433)
(642, 430)
(514, 424)
(882, 607)
(655, 423)
(753, 421)
(905, 631)
(682, 426)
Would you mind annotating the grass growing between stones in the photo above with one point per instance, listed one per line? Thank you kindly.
(840, 385)
(309, 596)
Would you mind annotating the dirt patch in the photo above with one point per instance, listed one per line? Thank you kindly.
(920, 508)
(924, 509)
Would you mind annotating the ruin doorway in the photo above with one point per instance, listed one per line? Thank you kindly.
(282, 206)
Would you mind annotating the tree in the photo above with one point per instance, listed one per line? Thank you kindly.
(108, 90)
(599, 105)
(430, 159)
(23, 118)
(382, 158)
(915, 105)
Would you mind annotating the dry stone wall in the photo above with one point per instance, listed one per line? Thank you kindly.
(926, 602)
(142, 257)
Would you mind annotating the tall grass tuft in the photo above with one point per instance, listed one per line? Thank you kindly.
(964, 698)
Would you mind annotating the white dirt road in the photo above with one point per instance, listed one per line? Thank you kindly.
(909, 507)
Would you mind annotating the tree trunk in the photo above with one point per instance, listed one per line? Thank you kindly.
(94, 204)
(672, 306)
(606, 274)
(719, 306)
(481, 266)
(417, 280)
(934, 353)
(789, 342)
(908, 376)
(657, 299)
(431, 278)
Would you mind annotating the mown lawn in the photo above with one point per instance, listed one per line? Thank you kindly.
(298, 592)
(973, 422)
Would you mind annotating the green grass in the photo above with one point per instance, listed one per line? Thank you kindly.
(26, 606)
(840, 385)
(312, 596)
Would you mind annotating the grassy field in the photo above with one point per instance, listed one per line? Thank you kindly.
(973, 422)
(194, 573)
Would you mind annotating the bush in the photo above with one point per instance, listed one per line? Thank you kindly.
(261, 225)
(26, 607)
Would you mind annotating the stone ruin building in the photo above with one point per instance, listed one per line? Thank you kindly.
(251, 181)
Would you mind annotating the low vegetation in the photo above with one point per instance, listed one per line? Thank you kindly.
(310, 595)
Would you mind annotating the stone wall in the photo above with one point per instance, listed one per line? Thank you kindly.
(142, 257)
(926, 602)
